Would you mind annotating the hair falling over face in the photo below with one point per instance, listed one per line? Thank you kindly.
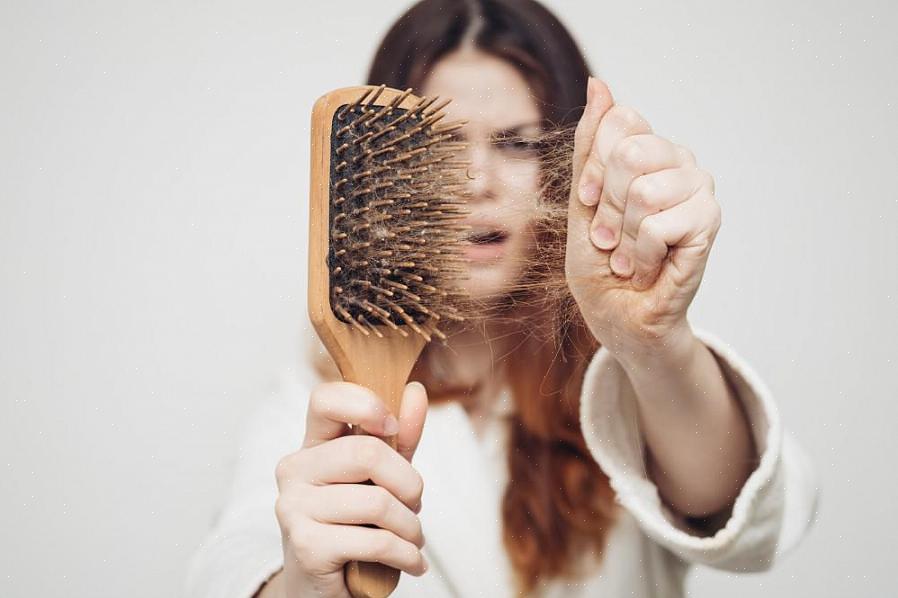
(558, 505)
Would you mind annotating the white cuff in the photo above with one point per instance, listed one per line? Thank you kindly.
(748, 540)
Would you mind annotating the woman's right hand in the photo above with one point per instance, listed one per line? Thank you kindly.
(322, 499)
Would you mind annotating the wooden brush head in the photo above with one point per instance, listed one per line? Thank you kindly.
(386, 200)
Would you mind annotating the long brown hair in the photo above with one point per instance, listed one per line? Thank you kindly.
(558, 503)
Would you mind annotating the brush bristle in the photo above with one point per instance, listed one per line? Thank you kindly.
(396, 197)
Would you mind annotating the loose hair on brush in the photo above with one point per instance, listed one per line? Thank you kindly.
(558, 505)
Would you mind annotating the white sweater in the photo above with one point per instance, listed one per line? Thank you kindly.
(648, 551)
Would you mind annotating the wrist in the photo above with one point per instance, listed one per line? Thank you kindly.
(672, 351)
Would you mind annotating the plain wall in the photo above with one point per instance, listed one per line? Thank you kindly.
(154, 162)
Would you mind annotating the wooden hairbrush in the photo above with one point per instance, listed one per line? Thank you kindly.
(386, 200)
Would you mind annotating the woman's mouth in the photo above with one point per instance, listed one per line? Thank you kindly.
(485, 243)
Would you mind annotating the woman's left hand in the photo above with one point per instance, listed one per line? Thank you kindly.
(641, 221)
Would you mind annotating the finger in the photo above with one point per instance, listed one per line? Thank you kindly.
(691, 223)
(359, 504)
(374, 545)
(633, 156)
(355, 459)
(598, 102)
(335, 405)
(686, 155)
(619, 122)
(412, 413)
(649, 194)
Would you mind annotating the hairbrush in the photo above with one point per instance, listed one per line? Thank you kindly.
(387, 197)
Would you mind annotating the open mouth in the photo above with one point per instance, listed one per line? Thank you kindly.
(486, 236)
(486, 243)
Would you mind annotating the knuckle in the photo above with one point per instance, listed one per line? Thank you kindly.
(644, 191)
(366, 404)
(650, 230)
(303, 548)
(629, 153)
(628, 117)
(282, 512)
(318, 402)
(417, 488)
(686, 153)
(383, 543)
(366, 451)
(418, 533)
(371, 405)
(301, 538)
(381, 504)
(284, 470)
(298, 537)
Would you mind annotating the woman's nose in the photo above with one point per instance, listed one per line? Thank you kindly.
(481, 173)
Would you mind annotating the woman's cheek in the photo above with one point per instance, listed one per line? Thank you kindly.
(520, 190)
(522, 179)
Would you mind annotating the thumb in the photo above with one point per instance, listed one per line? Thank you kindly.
(411, 419)
(598, 101)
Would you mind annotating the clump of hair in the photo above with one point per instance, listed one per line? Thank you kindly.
(397, 194)
(541, 289)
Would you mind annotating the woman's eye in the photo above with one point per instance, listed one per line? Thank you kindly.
(516, 144)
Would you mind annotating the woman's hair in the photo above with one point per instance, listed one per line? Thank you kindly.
(558, 502)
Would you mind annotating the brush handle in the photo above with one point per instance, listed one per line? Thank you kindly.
(382, 365)
(364, 579)
(371, 580)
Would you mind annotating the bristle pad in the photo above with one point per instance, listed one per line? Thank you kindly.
(395, 201)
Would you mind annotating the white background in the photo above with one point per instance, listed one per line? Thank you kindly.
(152, 254)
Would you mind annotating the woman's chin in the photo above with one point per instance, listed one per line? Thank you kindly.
(491, 271)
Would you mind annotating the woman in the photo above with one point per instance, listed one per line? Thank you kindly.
(586, 442)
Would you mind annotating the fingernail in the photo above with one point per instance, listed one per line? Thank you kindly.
(417, 385)
(589, 194)
(391, 425)
(603, 237)
(620, 263)
(590, 90)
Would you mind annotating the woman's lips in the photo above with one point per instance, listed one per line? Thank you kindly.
(486, 251)
(485, 243)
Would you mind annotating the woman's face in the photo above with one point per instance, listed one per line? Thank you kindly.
(497, 102)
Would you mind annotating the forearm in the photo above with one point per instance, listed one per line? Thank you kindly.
(700, 450)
